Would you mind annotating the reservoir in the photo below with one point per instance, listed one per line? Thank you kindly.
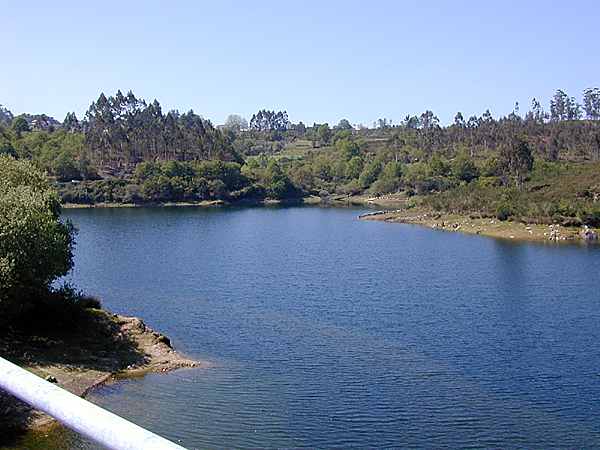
(324, 331)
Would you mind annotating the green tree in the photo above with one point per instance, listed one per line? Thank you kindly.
(276, 182)
(6, 148)
(354, 167)
(369, 174)
(591, 103)
(347, 148)
(438, 167)
(20, 125)
(36, 247)
(516, 161)
(389, 179)
(464, 169)
(324, 133)
(64, 167)
(344, 124)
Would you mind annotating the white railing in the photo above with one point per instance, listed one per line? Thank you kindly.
(87, 419)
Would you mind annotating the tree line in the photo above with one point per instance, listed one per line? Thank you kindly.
(122, 135)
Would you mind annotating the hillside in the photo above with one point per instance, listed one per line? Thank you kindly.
(542, 165)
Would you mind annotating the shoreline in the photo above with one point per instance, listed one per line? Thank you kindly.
(332, 200)
(202, 204)
(398, 213)
(490, 227)
(128, 348)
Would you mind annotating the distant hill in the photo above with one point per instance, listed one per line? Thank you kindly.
(37, 122)
(6, 116)
(41, 122)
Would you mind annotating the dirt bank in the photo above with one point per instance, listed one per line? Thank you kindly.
(102, 347)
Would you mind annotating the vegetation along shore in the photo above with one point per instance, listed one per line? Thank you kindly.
(538, 167)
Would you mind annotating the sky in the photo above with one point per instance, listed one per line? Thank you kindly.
(319, 60)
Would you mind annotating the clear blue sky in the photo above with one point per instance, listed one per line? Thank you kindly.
(319, 60)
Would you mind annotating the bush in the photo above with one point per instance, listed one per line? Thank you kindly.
(464, 169)
(57, 309)
(503, 212)
(591, 217)
(89, 302)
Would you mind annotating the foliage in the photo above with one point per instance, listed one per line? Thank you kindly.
(236, 123)
(389, 179)
(265, 120)
(35, 246)
(20, 125)
(517, 160)
(122, 131)
(144, 155)
(464, 168)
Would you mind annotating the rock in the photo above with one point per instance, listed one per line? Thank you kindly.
(165, 340)
(588, 234)
(51, 379)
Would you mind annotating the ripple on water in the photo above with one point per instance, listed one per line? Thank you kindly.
(333, 333)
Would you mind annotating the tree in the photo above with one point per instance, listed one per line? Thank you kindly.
(438, 167)
(370, 174)
(573, 109)
(20, 125)
(516, 160)
(389, 179)
(71, 124)
(6, 147)
(36, 246)
(347, 148)
(563, 107)
(265, 120)
(276, 181)
(354, 168)
(537, 113)
(344, 124)
(459, 120)
(324, 133)
(429, 120)
(299, 129)
(464, 169)
(236, 123)
(64, 167)
(591, 103)
(122, 131)
(6, 117)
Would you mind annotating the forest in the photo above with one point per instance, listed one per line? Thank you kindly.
(542, 164)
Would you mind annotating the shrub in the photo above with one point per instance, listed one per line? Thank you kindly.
(464, 169)
(591, 217)
(503, 212)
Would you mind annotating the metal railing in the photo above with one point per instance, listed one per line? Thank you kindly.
(87, 419)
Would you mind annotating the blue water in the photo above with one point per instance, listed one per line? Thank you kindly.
(329, 332)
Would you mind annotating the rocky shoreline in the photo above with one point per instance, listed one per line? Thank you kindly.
(108, 347)
(491, 227)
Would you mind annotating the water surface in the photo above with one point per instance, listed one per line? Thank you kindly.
(329, 332)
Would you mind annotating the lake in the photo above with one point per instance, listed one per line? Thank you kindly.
(329, 332)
